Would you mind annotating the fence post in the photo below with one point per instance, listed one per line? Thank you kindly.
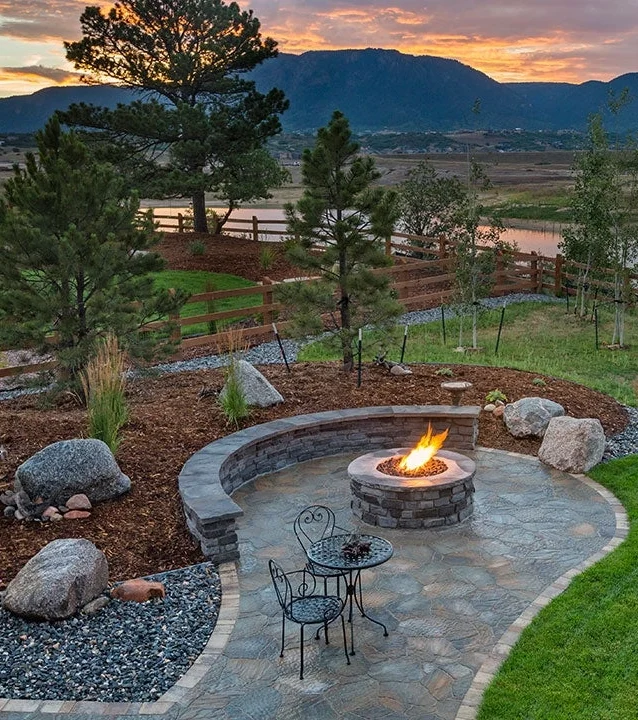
(558, 275)
(533, 270)
(269, 315)
(442, 248)
(255, 228)
(180, 223)
(176, 332)
(388, 245)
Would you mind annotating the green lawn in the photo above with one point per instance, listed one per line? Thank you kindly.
(578, 660)
(536, 337)
(535, 205)
(195, 281)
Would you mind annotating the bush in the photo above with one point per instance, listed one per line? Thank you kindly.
(103, 382)
(233, 401)
(445, 372)
(197, 247)
(495, 395)
(267, 257)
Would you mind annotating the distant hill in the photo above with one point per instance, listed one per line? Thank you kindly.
(379, 90)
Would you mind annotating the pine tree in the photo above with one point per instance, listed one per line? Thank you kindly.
(200, 117)
(74, 261)
(343, 216)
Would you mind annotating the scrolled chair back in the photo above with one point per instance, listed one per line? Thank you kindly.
(290, 586)
(313, 523)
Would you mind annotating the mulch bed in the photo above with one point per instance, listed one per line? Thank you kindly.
(144, 532)
(224, 254)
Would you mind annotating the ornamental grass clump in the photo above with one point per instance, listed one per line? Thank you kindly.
(104, 384)
(232, 399)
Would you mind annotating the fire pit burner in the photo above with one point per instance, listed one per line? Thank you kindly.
(392, 466)
(421, 501)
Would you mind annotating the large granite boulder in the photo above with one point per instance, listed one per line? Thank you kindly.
(257, 390)
(70, 467)
(530, 416)
(573, 445)
(58, 581)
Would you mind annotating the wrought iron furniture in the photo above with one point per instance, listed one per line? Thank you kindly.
(328, 552)
(300, 603)
(314, 523)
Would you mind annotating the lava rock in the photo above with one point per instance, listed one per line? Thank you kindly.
(257, 390)
(530, 416)
(9, 511)
(572, 444)
(64, 576)
(8, 498)
(138, 590)
(70, 467)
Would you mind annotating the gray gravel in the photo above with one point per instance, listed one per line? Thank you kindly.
(127, 652)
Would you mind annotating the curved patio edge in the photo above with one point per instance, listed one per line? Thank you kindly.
(211, 475)
(490, 666)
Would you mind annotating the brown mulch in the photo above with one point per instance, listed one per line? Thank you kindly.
(144, 532)
(224, 254)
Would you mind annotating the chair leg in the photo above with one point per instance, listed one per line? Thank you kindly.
(283, 630)
(325, 631)
(345, 641)
(301, 658)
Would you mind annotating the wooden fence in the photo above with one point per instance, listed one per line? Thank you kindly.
(418, 283)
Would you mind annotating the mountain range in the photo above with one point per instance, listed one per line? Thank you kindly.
(381, 90)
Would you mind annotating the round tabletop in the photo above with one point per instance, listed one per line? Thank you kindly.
(328, 552)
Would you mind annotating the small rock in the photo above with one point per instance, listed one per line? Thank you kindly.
(94, 607)
(24, 504)
(63, 509)
(257, 390)
(18, 515)
(138, 590)
(498, 411)
(500, 403)
(55, 517)
(77, 515)
(79, 502)
(51, 510)
(9, 511)
(490, 407)
(400, 370)
(8, 498)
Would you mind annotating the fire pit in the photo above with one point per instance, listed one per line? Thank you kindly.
(422, 487)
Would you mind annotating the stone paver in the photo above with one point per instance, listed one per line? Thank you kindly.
(454, 600)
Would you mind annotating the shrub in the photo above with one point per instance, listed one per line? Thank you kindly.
(445, 372)
(267, 257)
(103, 382)
(210, 308)
(495, 395)
(233, 400)
(197, 247)
(539, 382)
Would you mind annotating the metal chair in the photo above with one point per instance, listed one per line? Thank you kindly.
(315, 523)
(302, 605)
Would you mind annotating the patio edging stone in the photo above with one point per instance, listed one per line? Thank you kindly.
(210, 476)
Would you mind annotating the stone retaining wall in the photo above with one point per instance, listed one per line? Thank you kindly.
(210, 476)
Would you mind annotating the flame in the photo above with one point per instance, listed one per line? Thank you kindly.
(424, 451)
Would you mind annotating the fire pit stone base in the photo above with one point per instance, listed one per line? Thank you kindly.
(412, 502)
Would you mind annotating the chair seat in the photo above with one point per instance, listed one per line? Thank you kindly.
(314, 609)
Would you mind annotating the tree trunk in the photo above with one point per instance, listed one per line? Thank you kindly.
(200, 223)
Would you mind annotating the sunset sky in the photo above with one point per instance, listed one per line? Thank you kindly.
(510, 40)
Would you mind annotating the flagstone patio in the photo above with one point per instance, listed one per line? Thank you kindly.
(448, 595)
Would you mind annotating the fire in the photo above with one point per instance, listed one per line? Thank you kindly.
(424, 451)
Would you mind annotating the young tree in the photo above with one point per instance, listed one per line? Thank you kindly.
(340, 225)
(74, 261)
(189, 55)
(594, 207)
(429, 203)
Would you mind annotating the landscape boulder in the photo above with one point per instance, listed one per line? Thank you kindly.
(530, 416)
(63, 577)
(70, 467)
(257, 390)
(573, 445)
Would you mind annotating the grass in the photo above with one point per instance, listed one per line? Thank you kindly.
(537, 338)
(535, 205)
(195, 282)
(579, 657)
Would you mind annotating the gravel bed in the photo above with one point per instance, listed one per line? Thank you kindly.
(127, 652)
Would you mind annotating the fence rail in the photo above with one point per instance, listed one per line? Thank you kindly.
(418, 283)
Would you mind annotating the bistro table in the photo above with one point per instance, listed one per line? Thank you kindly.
(328, 552)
